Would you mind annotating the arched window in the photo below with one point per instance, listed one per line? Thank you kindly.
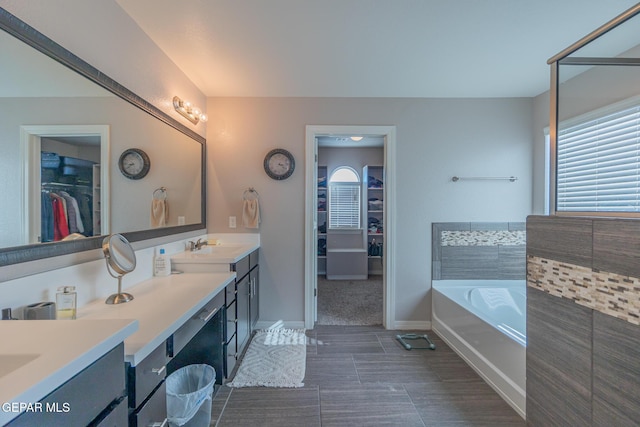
(344, 199)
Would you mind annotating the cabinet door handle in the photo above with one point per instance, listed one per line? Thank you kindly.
(159, 371)
(162, 424)
(208, 317)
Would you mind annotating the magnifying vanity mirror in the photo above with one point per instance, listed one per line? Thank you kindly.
(120, 258)
(63, 128)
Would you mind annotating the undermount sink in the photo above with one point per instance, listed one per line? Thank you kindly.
(224, 254)
(11, 362)
(216, 250)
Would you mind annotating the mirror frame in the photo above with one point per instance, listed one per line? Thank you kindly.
(32, 37)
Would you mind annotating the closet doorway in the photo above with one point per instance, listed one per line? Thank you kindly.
(44, 151)
(349, 268)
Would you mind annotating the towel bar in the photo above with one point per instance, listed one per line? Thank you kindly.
(248, 192)
(484, 178)
(162, 191)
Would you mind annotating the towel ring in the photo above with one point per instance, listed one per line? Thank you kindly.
(250, 194)
(162, 195)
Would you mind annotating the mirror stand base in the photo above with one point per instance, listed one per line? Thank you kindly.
(119, 298)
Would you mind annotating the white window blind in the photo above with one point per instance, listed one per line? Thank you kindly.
(598, 163)
(344, 205)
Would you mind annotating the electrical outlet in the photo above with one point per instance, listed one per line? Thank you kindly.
(232, 222)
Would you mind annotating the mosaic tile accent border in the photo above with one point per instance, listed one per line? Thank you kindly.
(483, 238)
(608, 293)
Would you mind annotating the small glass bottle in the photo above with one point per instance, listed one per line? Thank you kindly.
(66, 303)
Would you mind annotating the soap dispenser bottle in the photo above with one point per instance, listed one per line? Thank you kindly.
(161, 264)
(66, 300)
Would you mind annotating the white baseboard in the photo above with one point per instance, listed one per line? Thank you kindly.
(299, 324)
(412, 325)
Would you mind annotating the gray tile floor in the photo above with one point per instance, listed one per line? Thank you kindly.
(361, 376)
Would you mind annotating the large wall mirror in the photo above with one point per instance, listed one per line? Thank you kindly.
(63, 128)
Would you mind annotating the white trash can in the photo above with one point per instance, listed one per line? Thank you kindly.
(189, 394)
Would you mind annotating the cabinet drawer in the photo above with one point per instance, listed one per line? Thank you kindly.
(144, 377)
(253, 259)
(230, 295)
(192, 326)
(154, 411)
(241, 267)
(231, 321)
(230, 356)
(117, 417)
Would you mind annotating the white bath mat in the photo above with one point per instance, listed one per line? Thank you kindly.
(275, 358)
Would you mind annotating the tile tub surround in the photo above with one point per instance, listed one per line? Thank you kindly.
(478, 250)
(583, 349)
(591, 261)
(483, 238)
(608, 293)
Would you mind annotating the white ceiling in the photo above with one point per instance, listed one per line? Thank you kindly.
(368, 48)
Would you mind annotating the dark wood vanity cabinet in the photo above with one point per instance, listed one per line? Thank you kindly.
(93, 397)
(242, 307)
(199, 340)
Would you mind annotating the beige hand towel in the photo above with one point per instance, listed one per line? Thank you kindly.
(159, 213)
(251, 213)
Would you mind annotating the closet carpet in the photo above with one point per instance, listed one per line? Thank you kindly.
(360, 376)
(350, 302)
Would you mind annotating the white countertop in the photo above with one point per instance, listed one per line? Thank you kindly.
(161, 305)
(54, 351)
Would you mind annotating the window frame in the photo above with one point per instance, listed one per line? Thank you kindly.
(551, 159)
(346, 221)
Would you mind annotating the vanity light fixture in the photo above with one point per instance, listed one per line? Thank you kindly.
(191, 113)
(356, 138)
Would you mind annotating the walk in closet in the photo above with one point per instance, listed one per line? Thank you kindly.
(370, 235)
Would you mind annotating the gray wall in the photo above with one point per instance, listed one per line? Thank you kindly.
(436, 139)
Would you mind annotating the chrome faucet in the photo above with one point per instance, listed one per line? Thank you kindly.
(200, 243)
(197, 245)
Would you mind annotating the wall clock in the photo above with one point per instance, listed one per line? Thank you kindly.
(279, 164)
(134, 163)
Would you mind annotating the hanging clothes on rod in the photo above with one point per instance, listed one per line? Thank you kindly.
(65, 209)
